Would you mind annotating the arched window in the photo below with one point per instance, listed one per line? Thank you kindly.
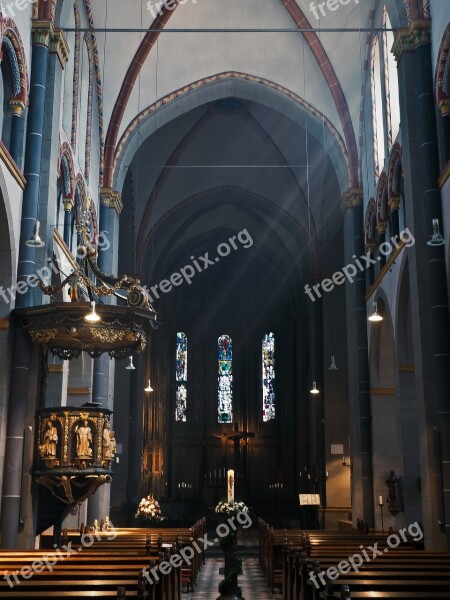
(268, 376)
(379, 143)
(181, 378)
(391, 82)
(225, 379)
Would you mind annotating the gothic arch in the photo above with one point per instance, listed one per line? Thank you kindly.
(316, 48)
(196, 94)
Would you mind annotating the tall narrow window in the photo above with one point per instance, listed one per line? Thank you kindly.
(379, 142)
(181, 376)
(225, 379)
(391, 79)
(268, 376)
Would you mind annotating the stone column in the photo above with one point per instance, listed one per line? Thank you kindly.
(20, 372)
(358, 363)
(104, 368)
(429, 298)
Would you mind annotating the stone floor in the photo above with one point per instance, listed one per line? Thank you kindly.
(253, 584)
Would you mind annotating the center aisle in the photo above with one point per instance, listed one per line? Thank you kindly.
(252, 581)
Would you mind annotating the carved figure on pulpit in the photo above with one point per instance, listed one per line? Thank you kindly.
(84, 438)
(109, 442)
(50, 439)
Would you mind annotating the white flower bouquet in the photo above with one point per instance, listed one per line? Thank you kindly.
(149, 509)
(231, 508)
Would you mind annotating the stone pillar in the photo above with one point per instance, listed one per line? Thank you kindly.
(358, 363)
(103, 380)
(429, 298)
(20, 372)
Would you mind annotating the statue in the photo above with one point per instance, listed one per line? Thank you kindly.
(109, 442)
(394, 498)
(48, 448)
(84, 437)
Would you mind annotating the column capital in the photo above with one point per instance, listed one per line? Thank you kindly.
(59, 46)
(407, 40)
(351, 199)
(444, 107)
(68, 204)
(382, 227)
(111, 198)
(394, 202)
(18, 106)
(43, 32)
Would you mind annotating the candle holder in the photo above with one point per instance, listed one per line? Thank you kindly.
(380, 503)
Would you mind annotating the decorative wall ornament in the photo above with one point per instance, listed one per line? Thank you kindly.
(11, 40)
(74, 451)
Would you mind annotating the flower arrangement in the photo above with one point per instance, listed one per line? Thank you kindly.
(149, 509)
(231, 508)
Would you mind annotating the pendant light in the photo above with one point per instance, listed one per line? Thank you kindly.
(436, 239)
(93, 316)
(375, 317)
(314, 389)
(149, 387)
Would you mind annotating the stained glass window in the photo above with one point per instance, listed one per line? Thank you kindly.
(181, 377)
(268, 376)
(225, 379)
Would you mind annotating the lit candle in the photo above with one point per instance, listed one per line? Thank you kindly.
(380, 500)
(230, 486)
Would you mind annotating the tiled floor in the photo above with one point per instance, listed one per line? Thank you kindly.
(252, 581)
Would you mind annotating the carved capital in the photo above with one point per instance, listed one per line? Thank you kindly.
(407, 40)
(43, 32)
(444, 107)
(351, 199)
(68, 204)
(17, 107)
(112, 199)
(394, 202)
(382, 227)
(59, 46)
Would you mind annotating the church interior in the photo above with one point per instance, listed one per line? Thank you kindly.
(224, 294)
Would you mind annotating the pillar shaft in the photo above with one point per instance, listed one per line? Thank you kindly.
(358, 361)
(20, 373)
